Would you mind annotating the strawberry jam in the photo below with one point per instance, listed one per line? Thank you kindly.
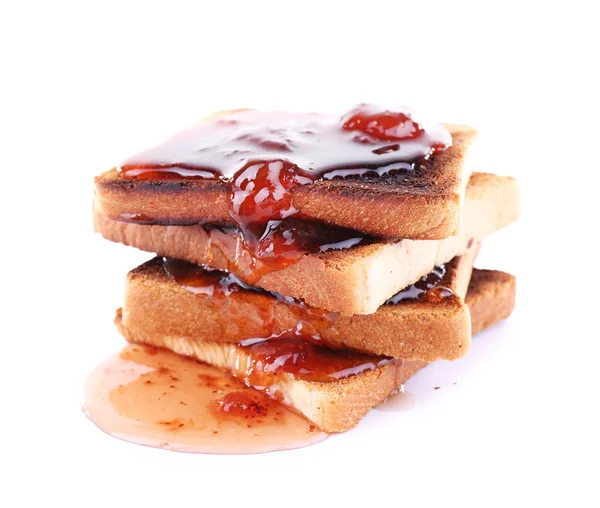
(245, 404)
(382, 124)
(429, 288)
(265, 156)
(248, 314)
(304, 360)
(203, 281)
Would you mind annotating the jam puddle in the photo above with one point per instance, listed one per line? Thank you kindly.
(399, 401)
(157, 398)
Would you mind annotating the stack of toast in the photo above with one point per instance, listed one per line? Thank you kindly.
(331, 301)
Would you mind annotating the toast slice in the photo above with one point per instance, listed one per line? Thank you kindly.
(422, 204)
(337, 406)
(491, 297)
(424, 324)
(357, 280)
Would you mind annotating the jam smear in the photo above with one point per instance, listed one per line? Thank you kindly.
(200, 280)
(265, 156)
(247, 313)
(305, 361)
(287, 241)
(272, 246)
(154, 397)
(429, 288)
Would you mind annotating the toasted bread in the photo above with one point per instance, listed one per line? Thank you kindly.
(351, 281)
(339, 405)
(423, 204)
(423, 329)
(491, 297)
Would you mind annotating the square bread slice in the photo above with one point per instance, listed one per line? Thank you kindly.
(357, 280)
(422, 204)
(339, 405)
(430, 327)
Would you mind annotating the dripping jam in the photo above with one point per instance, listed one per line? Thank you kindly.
(201, 280)
(429, 288)
(305, 361)
(295, 352)
(245, 313)
(263, 322)
(265, 156)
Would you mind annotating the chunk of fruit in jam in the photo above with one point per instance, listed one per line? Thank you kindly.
(261, 191)
(382, 124)
(260, 199)
(244, 404)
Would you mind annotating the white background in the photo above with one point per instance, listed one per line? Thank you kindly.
(84, 85)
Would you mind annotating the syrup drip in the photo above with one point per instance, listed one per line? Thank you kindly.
(428, 288)
(156, 398)
(265, 156)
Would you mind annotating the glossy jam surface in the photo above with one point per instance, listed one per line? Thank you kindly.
(203, 281)
(156, 398)
(429, 287)
(281, 244)
(277, 244)
(246, 313)
(304, 360)
(265, 156)
(385, 125)
(225, 146)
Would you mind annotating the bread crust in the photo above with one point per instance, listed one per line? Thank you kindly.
(340, 405)
(351, 281)
(491, 297)
(413, 330)
(425, 204)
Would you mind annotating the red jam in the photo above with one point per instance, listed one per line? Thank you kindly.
(430, 287)
(382, 124)
(157, 398)
(202, 281)
(247, 314)
(304, 360)
(265, 156)
(244, 404)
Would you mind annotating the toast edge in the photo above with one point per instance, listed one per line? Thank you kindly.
(340, 405)
(418, 216)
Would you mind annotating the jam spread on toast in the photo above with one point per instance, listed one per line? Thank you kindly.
(247, 313)
(202, 280)
(261, 321)
(383, 125)
(154, 397)
(266, 156)
(305, 361)
(282, 243)
(429, 288)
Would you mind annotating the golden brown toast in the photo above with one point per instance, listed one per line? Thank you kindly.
(351, 281)
(339, 405)
(492, 295)
(434, 326)
(421, 204)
